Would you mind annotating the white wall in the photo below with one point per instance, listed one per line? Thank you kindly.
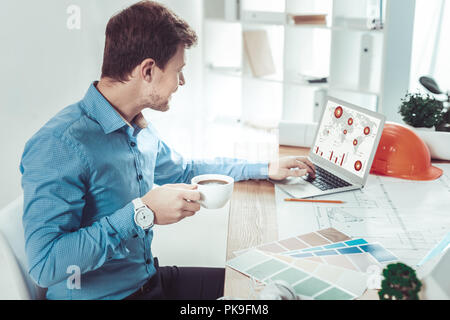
(44, 67)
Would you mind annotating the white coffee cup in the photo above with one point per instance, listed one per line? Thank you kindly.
(214, 195)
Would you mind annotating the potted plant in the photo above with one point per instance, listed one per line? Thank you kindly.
(430, 120)
(431, 85)
(445, 123)
(421, 111)
(400, 283)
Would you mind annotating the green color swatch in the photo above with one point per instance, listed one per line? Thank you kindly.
(290, 275)
(247, 259)
(310, 287)
(266, 269)
(334, 294)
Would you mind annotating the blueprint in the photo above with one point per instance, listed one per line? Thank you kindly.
(408, 217)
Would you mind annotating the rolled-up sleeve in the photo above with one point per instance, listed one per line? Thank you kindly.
(54, 181)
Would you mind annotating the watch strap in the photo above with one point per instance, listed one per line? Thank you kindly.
(138, 203)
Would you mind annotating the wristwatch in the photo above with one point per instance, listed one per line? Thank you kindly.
(143, 215)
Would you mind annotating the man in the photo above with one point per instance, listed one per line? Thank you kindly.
(88, 174)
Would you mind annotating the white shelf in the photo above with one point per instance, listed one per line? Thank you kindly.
(236, 72)
(226, 71)
(263, 17)
(239, 74)
(222, 20)
(337, 28)
(355, 90)
(353, 57)
(308, 26)
(297, 26)
(282, 19)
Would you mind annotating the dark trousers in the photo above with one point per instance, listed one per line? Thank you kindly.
(182, 283)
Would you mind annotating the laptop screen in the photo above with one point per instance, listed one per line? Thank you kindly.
(346, 138)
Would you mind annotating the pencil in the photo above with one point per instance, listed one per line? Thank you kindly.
(312, 200)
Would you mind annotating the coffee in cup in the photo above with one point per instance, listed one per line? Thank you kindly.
(215, 189)
(211, 182)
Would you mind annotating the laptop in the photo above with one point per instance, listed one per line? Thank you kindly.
(344, 146)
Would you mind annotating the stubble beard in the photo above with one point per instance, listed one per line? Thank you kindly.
(157, 103)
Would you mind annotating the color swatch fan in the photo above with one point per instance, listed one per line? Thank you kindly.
(324, 265)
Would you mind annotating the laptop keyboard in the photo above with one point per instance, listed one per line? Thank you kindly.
(325, 180)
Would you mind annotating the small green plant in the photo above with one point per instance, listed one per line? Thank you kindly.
(400, 283)
(445, 123)
(420, 110)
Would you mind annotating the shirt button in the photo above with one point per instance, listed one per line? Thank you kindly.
(132, 144)
(140, 177)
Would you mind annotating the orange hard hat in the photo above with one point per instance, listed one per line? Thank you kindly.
(402, 154)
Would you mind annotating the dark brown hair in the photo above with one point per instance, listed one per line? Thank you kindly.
(144, 30)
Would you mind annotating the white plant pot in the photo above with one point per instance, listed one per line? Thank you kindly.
(437, 141)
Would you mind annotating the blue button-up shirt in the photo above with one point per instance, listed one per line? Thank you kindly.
(80, 173)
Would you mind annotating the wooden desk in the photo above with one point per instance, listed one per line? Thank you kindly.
(252, 221)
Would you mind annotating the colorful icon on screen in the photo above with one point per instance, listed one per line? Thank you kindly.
(358, 165)
(338, 112)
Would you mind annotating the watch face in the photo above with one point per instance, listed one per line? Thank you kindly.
(144, 218)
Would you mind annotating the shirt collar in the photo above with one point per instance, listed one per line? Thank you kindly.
(98, 108)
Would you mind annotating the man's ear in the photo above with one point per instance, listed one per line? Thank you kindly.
(147, 69)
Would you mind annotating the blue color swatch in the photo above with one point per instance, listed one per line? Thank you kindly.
(312, 249)
(335, 245)
(326, 253)
(378, 252)
(355, 242)
(349, 250)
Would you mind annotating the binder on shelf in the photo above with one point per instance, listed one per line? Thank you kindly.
(365, 62)
(320, 100)
(370, 64)
(319, 19)
(258, 52)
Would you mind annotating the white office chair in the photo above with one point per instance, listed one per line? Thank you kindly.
(15, 282)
